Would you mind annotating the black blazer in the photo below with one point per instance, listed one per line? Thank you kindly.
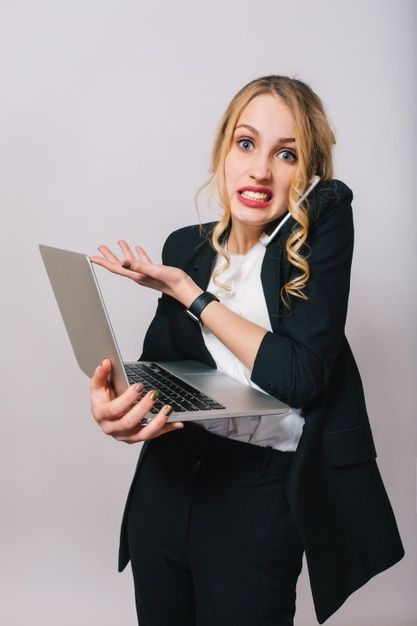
(334, 488)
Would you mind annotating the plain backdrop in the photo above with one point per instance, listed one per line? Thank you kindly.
(108, 110)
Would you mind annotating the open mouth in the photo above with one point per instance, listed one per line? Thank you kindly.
(256, 196)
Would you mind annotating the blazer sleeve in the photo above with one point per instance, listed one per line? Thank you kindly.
(159, 343)
(178, 250)
(295, 364)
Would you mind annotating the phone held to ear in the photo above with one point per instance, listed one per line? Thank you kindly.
(266, 239)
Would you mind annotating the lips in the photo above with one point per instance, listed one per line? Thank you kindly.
(255, 197)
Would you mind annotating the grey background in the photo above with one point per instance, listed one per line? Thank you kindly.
(107, 115)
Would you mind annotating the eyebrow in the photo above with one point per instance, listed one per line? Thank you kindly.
(255, 132)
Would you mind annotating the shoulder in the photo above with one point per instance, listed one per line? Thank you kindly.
(329, 209)
(331, 227)
(331, 199)
(182, 243)
(332, 189)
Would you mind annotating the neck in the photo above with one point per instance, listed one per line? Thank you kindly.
(240, 241)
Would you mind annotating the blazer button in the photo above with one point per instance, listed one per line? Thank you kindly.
(197, 465)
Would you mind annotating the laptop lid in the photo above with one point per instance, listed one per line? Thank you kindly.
(83, 311)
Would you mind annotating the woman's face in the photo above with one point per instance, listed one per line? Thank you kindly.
(260, 164)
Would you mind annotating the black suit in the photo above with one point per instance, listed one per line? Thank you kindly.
(334, 488)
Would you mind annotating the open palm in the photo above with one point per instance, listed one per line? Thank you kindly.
(142, 270)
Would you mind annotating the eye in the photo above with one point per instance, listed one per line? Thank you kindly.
(245, 144)
(287, 155)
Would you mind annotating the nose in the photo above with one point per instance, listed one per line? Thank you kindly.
(260, 168)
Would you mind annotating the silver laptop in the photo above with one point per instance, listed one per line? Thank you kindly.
(196, 391)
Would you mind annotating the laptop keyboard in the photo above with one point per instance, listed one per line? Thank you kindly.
(172, 390)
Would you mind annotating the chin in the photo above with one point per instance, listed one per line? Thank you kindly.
(252, 219)
(253, 216)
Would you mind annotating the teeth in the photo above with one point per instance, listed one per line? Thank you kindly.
(254, 195)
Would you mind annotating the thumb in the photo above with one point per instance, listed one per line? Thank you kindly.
(101, 375)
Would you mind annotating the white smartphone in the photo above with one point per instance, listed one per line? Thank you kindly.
(266, 239)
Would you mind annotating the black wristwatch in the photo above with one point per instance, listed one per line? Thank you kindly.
(200, 303)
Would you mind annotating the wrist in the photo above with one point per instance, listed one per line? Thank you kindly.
(188, 291)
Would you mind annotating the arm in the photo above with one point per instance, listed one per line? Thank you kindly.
(228, 326)
(295, 364)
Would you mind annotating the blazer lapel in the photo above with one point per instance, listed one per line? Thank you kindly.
(201, 266)
(270, 277)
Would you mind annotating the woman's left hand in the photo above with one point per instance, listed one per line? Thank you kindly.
(170, 280)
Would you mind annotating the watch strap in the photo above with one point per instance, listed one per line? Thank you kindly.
(199, 304)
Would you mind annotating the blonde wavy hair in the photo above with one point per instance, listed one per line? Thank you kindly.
(314, 140)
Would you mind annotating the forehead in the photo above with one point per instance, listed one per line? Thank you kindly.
(269, 115)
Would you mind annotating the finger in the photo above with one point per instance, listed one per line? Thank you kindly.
(100, 261)
(108, 254)
(111, 413)
(101, 389)
(112, 266)
(154, 429)
(139, 435)
(157, 426)
(124, 416)
(143, 254)
(101, 375)
(137, 270)
(143, 269)
(126, 250)
(117, 268)
(134, 265)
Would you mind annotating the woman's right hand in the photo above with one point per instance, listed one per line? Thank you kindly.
(121, 416)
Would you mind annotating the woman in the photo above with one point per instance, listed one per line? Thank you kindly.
(221, 511)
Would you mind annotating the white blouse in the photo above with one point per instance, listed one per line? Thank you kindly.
(246, 298)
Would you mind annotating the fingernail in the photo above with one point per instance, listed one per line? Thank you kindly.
(153, 394)
(138, 387)
(126, 264)
(167, 410)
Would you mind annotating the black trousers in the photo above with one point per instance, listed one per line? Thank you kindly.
(212, 540)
